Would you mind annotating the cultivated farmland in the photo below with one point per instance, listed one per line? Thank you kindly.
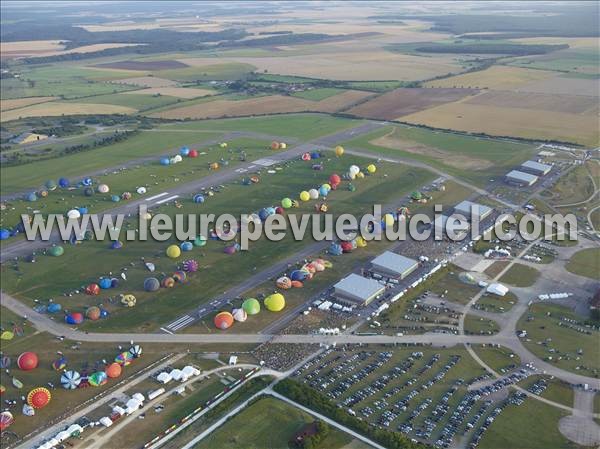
(496, 77)
(56, 108)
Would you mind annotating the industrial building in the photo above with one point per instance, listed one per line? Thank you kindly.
(471, 210)
(536, 168)
(393, 265)
(520, 178)
(439, 226)
(357, 290)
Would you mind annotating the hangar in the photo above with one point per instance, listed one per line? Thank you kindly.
(394, 265)
(536, 168)
(471, 210)
(520, 178)
(357, 290)
(439, 226)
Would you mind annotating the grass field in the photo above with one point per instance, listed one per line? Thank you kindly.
(520, 275)
(56, 108)
(514, 122)
(456, 154)
(585, 263)
(318, 94)
(271, 423)
(500, 359)
(574, 187)
(92, 259)
(578, 60)
(6, 105)
(496, 77)
(178, 92)
(480, 326)
(138, 102)
(560, 344)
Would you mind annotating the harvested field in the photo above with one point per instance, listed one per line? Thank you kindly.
(347, 64)
(144, 66)
(272, 104)
(17, 103)
(179, 92)
(28, 48)
(402, 101)
(496, 77)
(395, 141)
(517, 122)
(572, 104)
(146, 81)
(55, 108)
(564, 84)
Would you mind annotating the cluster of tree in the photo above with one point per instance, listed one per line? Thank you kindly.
(283, 39)
(503, 49)
(313, 441)
(309, 397)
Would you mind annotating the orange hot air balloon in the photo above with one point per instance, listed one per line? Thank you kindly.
(113, 370)
(223, 320)
(39, 397)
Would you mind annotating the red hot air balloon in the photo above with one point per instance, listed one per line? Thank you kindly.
(27, 361)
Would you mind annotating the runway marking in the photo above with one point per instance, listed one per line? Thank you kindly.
(165, 330)
(181, 322)
(167, 199)
(265, 162)
(157, 196)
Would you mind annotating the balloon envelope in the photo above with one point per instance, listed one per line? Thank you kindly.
(70, 380)
(173, 251)
(251, 306)
(38, 397)
(27, 361)
(223, 320)
(275, 302)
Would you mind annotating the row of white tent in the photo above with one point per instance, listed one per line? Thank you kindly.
(180, 375)
(72, 430)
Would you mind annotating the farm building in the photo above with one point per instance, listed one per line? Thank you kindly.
(536, 168)
(455, 227)
(393, 265)
(471, 210)
(25, 138)
(356, 289)
(520, 178)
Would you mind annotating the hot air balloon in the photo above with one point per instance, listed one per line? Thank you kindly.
(168, 282)
(346, 246)
(56, 251)
(70, 380)
(173, 252)
(298, 275)
(50, 185)
(53, 307)
(117, 244)
(334, 180)
(251, 306)
(179, 276)
(141, 190)
(193, 153)
(190, 266)
(126, 195)
(389, 219)
(231, 249)
(335, 249)
(27, 361)
(98, 378)
(6, 419)
(339, 150)
(360, 242)
(59, 364)
(7, 335)
(5, 362)
(105, 283)
(304, 195)
(92, 289)
(239, 315)
(124, 358)
(113, 370)
(136, 351)
(4, 234)
(93, 313)
(286, 203)
(214, 166)
(38, 397)
(275, 302)
(164, 161)
(275, 145)
(103, 188)
(184, 151)
(151, 284)
(223, 320)
(313, 193)
(297, 284)
(74, 318)
(200, 241)
(371, 168)
(199, 198)
(306, 157)
(128, 300)
(87, 182)
(186, 246)
(283, 282)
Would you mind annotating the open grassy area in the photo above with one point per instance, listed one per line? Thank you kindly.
(268, 422)
(520, 275)
(500, 359)
(560, 344)
(585, 263)
(318, 94)
(88, 261)
(476, 325)
(475, 159)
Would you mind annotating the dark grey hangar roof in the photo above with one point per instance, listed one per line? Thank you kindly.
(394, 263)
(536, 167)
(358, 286)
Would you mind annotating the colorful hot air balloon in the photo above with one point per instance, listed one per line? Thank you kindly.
(334, 179)
(27, 361)
(136, 351)
(284, 282)
(59, 364)
(168, 282)
(190, 266)
(275, 302)
(124, 358)
(70, 380)
(98, 378)
(93, 313)
(223, 320)
(173, 252)
(38, 397)
(251, 306)
(113, 370)
(200, 241)
(6, 419)
(74, 318)
(179, 276)
(128, 300)
(92, 289)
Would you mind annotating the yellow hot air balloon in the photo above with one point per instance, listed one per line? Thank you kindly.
(339, 150)
(304, 195)
(173, 251)
(360, 242)
(275, 302)
(360, 175)
(371, 168)
(388, 219)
